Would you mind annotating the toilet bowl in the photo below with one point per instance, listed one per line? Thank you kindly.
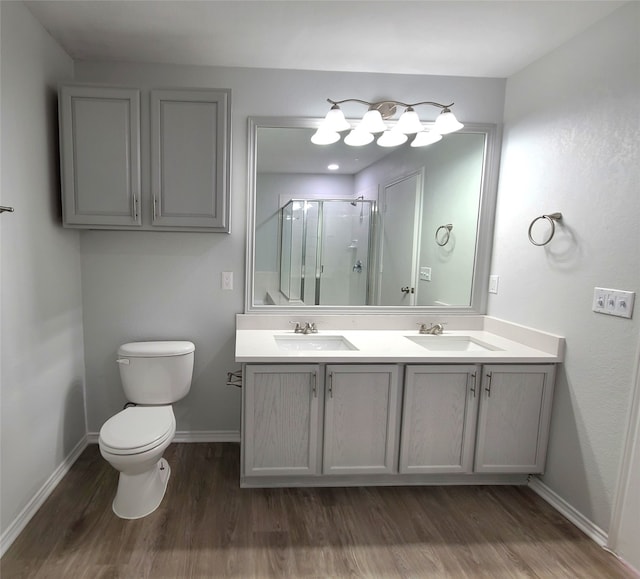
(134, 440)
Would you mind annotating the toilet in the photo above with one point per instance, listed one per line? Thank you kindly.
(154, 375)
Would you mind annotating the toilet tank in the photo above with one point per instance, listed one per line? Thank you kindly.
(156, 372)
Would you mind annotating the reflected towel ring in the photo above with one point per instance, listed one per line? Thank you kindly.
(551, 218)
(447, 233)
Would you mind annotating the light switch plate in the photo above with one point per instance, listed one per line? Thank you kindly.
(227, 280)
(425, 273)
(493, 284)
(613, 302)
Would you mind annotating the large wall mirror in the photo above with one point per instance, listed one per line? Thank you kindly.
(334, 227)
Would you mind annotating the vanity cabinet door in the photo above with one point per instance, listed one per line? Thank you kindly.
(362, 419)
(100, 157)
(513, 421)
(439, 419)
(190, 138)
(281, 420)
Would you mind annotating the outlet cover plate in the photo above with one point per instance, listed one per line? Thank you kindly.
(613, 302)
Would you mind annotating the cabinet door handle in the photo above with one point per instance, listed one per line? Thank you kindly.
(330, 384)
(135, 207)
(488, 387)
(155, 211)
(314, 384)
(473, 388)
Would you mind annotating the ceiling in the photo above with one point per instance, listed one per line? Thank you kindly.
(453, 38)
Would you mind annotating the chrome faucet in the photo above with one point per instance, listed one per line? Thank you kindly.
(305, 328)
(434, 329)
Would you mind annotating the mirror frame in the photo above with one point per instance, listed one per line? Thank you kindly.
(484, 238)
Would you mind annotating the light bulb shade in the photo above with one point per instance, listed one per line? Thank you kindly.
(425, 138)
(324, 137)
(358, 138)
(447, 123)
(391, 139)
(409, 122)
(335, 121)
(372, 122)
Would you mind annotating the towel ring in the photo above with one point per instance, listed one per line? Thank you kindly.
(551, 218)
(447, 233)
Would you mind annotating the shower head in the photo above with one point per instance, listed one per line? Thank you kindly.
(355, 201)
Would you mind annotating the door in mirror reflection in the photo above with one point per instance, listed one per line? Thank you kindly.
(401, 208)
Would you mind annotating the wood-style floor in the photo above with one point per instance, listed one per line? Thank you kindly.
(208, 527)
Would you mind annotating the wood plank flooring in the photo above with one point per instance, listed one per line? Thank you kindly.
(207, 527)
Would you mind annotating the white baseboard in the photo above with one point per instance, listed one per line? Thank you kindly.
(20, 522)
(207, 436)
(190, 436)
(564, 508)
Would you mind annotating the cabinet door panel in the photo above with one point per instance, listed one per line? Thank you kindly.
(361, 419)
(100, 150)
(190, 158)
(281, 420)
(439, 418)
(514, 418)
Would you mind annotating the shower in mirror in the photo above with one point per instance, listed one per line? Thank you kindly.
(325, 252)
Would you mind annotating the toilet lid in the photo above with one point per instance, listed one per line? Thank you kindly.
(137, 429)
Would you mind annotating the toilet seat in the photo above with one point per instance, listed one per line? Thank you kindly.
(137, 429)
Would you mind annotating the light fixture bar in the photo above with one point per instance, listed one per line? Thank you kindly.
(373, 123)
(376, 104)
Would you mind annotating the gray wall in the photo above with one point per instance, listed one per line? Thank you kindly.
(41, 347)
(571, 144)
(139, 285)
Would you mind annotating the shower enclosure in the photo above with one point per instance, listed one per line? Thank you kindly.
(325, 251)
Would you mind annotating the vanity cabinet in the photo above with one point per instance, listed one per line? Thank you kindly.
(282, 426)
(483, 422)
(186, 144)
(514, 416)
(439, 419)
(361, 419)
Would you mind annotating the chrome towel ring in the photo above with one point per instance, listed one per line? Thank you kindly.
(445, 238)
(551, 218)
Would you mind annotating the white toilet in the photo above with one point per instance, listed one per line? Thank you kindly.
(154, 375)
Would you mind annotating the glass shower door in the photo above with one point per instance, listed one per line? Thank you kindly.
(343, 275)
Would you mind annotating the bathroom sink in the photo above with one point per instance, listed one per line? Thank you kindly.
(452, 343)
(313, 343)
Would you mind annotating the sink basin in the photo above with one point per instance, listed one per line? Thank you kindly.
(451, 343)
(313, 343)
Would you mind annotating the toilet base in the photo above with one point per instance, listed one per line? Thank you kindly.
(139, 495)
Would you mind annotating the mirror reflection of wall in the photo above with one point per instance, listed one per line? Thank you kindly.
(312, 226)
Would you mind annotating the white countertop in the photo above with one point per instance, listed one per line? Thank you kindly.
(393, 346)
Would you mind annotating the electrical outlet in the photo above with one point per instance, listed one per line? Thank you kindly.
(613, 302)
(226, 280)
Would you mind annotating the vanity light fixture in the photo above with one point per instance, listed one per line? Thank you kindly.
(373, 122)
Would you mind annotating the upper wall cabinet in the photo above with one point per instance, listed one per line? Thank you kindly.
(185, 145)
